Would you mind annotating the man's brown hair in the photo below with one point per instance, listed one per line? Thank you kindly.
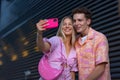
(83, 10)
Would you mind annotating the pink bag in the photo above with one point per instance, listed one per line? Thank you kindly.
(46, 71)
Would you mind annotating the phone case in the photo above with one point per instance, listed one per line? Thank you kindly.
(52, 23)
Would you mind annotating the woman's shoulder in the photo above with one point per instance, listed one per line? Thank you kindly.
(55, 38)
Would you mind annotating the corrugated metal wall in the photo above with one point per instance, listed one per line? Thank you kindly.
(106, 19)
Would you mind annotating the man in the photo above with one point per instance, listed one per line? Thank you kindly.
(92, 48)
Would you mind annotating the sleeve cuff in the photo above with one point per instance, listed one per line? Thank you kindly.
(99, 62)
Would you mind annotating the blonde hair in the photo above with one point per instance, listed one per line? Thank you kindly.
(61, 34)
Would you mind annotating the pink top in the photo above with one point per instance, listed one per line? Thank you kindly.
(57, 47)
(91, 53)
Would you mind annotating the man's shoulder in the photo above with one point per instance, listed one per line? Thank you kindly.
(99, 34)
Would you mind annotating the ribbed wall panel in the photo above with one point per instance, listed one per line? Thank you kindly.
(106, 19)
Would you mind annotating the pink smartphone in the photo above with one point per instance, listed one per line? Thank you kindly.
(52, 23)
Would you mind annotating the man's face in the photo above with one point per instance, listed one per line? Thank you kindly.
(80, 22)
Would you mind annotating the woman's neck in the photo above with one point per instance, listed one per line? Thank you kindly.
(67, 40)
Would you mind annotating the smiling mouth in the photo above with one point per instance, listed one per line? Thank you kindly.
(67, 30)
(78, 27)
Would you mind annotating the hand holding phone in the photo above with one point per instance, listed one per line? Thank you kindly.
(52, 23)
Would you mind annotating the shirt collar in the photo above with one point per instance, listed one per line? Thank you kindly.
(91, 34)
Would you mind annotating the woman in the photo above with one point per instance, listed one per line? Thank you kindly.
(63, 43)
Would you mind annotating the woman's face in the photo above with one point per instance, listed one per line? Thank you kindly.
(67, 27)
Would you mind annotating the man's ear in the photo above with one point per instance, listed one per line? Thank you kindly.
(88, 22)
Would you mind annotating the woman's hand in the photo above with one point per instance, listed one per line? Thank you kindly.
(41, 26)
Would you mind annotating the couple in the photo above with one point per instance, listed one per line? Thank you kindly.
(87, 52)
